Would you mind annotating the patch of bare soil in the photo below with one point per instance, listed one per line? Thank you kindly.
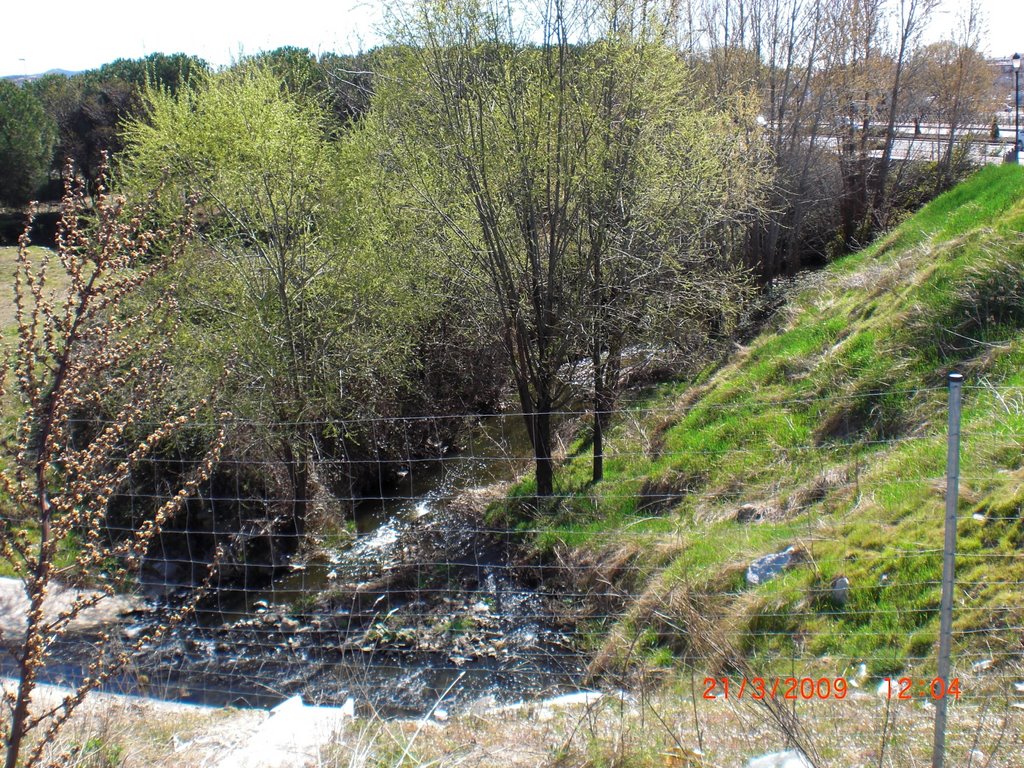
(14, 609)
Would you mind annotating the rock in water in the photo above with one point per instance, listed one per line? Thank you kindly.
(788, 759)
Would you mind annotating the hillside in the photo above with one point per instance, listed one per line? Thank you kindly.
(824, 437)
(827, 434)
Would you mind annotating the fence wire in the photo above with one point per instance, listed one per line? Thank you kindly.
(358, 571)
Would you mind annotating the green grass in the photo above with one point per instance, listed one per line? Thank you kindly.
(10, 407)
(8, 257)
(835, 420)
(67, 552)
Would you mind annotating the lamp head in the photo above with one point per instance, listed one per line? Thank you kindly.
(1016, 61)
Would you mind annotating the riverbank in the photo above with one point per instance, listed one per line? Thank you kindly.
(667, 727)
(116, 730)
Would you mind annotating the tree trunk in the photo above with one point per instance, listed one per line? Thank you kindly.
(606, 380)
(32, 652)
(599, 388)
(542, 452)
(296, 463)
(595, 358)
(28, 668)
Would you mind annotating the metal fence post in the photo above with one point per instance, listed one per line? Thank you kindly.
(956, 381)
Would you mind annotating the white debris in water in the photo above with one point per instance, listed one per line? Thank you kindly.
(1019, 687)
(379, 540)
(523, 636)
(788, 759)
(981, 666)
(574, 699)
(421, 509)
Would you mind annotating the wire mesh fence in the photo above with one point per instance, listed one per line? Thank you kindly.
(749, 555)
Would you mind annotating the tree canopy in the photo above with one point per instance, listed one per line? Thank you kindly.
(574, 170)
(27, 137)
(287, 275)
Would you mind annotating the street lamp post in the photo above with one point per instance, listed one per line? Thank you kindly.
(1016, 106)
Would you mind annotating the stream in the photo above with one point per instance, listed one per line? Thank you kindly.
(416, 606)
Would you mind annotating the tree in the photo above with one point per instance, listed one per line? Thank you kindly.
(26, 144)
(87, 111)
(61, 98)
(171, 71)
(90, 107)
(521, 139)
(958, 85)
(667, 194)
(790, 55)
(285, 276)
(835, 78)
(912, 15)
(349, 83)
(296, 68)
(88, 350)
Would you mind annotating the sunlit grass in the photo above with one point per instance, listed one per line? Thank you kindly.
(834, 419)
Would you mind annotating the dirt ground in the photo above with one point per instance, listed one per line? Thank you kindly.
(14, 608)
(666, 729)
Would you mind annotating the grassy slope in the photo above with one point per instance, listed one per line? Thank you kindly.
(834, 423)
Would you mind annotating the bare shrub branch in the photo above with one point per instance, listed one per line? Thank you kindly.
(89, 375)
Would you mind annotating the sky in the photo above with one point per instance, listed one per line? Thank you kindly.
(36, 37)
(79, 35)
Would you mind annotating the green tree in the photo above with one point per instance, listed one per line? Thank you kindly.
(89, 108)
(668, 189)
(297, 68)
(170, 71)
(286, 276)
(572, 168)
(27, 137)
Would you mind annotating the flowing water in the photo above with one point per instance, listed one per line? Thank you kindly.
(438, 635)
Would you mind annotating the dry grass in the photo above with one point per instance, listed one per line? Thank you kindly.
(110, 731)
(668, 730)
(668, 727)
